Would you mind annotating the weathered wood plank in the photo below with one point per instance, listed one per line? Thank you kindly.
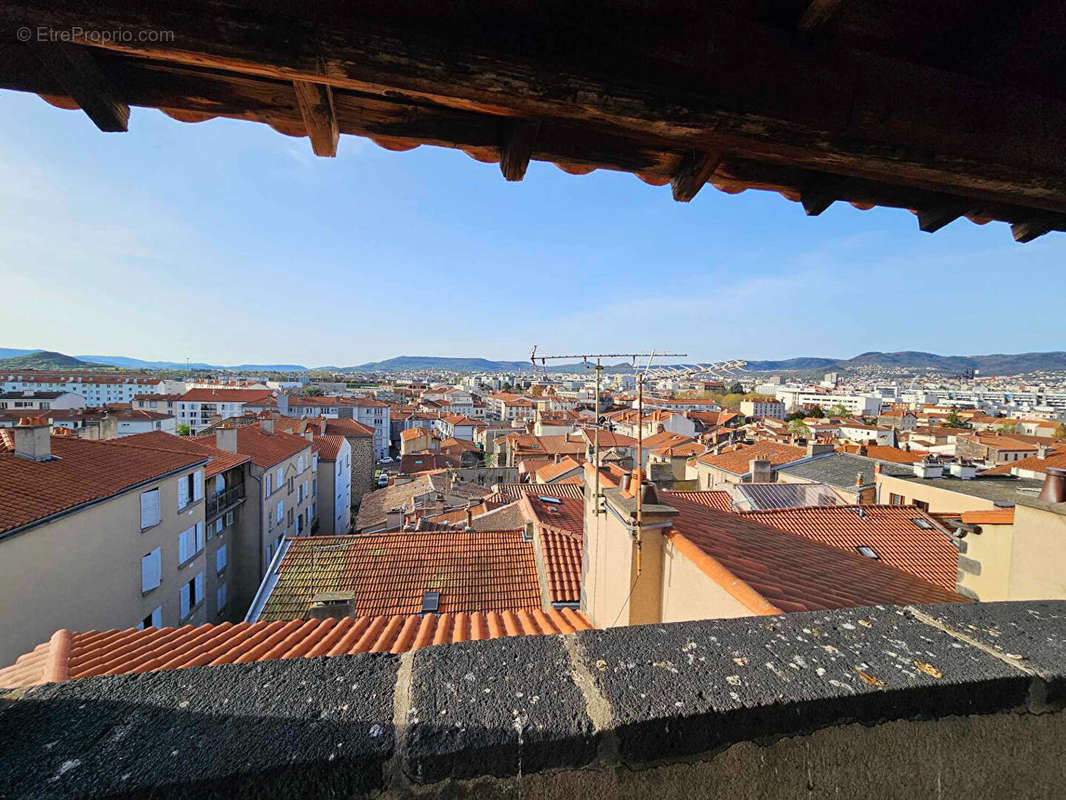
(516, 148)
(1025, 232)
(930, 220)
(693, 172)
(740, 94)
(76, 70)
(315, 101)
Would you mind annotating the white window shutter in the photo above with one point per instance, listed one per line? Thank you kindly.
(269, 486)
(220, 484)
(280, 477)
(149, 508)
(151, 570)
(183, 492)
(220, 558)
(199, 583)
(198, 485)
(199, 537)
(300, 464)
(280, 511)
(185, 545)
(157, 617)
(221, 595)
(183, 598)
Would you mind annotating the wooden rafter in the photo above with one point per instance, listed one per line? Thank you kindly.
(315, 101)
(516, 147)
(694, 171)
(932, 219)
(817, 14)
(76, 70)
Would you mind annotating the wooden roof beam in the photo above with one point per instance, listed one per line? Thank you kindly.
(76, 70)
(1025, 232)
(931, 220)
(821, 193)
(695, 170)
(315, 101)
(516, 148)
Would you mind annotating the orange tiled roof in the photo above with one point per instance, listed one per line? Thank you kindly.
(550, 472)
(609, 438)
(253, 396)
(1055, 458)
(345, 427)
(83, 471)
(736, 461)
(265, 449)
(883, 452)
(389, 572)
(508, 492)
(329, 447)
(451, 443)
(561, 529)
(889, 530)
(413, 433)
(220, 460)
(771, 571)
(67, 656)
(712, 498)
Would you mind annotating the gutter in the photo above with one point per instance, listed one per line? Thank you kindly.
(270, 580)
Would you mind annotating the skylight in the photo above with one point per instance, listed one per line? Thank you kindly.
(924, 524)
(867, 551)
(553, 500)
(430, 602)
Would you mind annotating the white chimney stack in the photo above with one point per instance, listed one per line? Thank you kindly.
(33, 439)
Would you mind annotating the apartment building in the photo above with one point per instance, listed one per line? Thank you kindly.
(199, 408)
(162, 403)
(334, 484)
(280, 495)
(372, 413)
(763, 408)
(97, 535)
(97, 389)
(33, 400)
(131, 422)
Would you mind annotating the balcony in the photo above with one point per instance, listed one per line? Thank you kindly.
(223, 501)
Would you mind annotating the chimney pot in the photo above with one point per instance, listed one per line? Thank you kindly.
(266, 425)
(1054, 490)
(226, 438)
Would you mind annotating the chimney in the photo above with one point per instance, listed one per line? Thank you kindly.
(814, 449)
(1042, 451)
(1054, 490)
(266, 425)
(332, 605)
(470, 514)
(309, 435)
(226, 438)
(761, 470)
(33, 439)
(860, 479)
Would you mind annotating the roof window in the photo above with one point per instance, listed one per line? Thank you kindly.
(867, 551)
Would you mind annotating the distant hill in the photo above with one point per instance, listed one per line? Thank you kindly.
(42, 359)
(405, 363)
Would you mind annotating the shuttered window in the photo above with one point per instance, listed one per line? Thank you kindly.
(221, 596)
(269, 484)
(149, 508)
(190, 542)
(191, 594)
(151, 570)
(221, 558)
(280, 511)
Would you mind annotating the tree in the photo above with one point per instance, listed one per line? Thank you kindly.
(736, 388)
(798, 429)
(955, 421)
(313, 391)
(183, 429)
(1007, 427)
(1060, 432)
(838, 411)
(816, 412)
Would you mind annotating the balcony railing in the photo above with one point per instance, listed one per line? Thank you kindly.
(223, 501)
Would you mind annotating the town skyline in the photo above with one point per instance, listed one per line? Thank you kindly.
(723, 276)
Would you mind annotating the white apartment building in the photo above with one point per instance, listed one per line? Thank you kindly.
(198, 408)
(763, 408)
(98, 390)
(34, 400)
(854, 404)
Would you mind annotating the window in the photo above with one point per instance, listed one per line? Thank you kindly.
(300, 495)
(151, 570)
(190, 542)
(269, 484)
(190, 488)
(290, 516)
(149, 508)
(314, 486)
(280, 511)
(290, 485)
(218, 525)
(280, 477)
(220, 484)
(229, 518)
(867, 551)
(922, 505)
(153, 620)
(220, 596)
(300, 464)
(895, 499)
(221, 558)
(191, 595)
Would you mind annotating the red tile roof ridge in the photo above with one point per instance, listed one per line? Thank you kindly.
(69, 656)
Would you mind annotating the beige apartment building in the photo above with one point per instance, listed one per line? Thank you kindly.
(279, 499)
(334, 484)
(97, 535)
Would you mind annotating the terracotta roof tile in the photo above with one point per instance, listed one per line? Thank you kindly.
(252, 396)
(329, 447)
(550, 472)
(891, 531)
(560, 530)
(265, 449)
(81, 655)
(712, 499)
(82, 471)
(220, 460)
(508, 492)
(390, 572)
(772, 571)
(736, 461)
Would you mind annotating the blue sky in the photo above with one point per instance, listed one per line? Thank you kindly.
(228, 242)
